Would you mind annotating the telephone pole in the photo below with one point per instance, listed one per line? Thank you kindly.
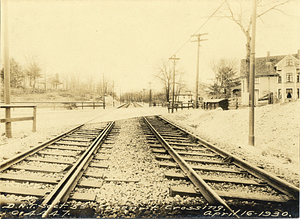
(173, 93)
(4, 32)
(197, 76)
(252, 76)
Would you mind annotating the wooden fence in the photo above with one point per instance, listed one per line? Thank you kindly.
(7, 121)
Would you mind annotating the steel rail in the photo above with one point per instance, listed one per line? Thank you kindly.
(272, 180)
(121, 105)
(8, 163)
(209, 194)
(66, 185)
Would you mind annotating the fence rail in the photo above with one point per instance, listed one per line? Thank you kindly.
(9, 120)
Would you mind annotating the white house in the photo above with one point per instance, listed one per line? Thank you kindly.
(277, 76)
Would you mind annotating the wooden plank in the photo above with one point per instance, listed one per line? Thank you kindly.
(163, 151)
(70, 148)
(153, 141)
(95, 175)
(16, 106)
(99, 165)
(156, 146)
(171, 136)
(29, 178)
(196, 154)
(37, 169)
(103, 152)
(101, 157)
(49, 160)
(106, 146)
(164, 157)
(72, 144)
(173, 175)
(185, 144)
(188, 191)
(23, 191)
(16, 119)
(183, 141)
(121, 180)
(61, 153)
(75, 139)
(83, 196)
(86, 133)
(214, 169)
(90, 184)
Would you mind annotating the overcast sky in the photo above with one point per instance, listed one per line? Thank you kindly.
(128, 40)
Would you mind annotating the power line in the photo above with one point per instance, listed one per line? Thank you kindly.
(200, 27)
(194, 34)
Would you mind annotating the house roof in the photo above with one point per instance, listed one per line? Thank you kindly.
(264, 66)
(288, 57)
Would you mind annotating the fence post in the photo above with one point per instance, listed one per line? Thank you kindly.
(34, 119)
(93, 105)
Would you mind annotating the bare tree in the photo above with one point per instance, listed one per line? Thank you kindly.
(166, 77)
(242, 17)
(33, 70)
(55, 81)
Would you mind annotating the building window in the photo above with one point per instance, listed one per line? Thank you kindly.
(298, 93)
(289, 77)
(256, 80)
(289, 92)
(298, 77)
(279, 79)
(289, 62)
(279, 93)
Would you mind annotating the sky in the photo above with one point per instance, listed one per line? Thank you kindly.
(127, 40)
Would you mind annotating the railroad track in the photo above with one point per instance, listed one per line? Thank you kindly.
(57, 169)
(217, 176)
(126, 105)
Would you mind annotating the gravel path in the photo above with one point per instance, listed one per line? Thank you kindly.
(131, 158)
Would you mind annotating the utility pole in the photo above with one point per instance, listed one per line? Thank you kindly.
(4, 31)
(150, 94)
(197, 76)
(252, 77)
(173, 92)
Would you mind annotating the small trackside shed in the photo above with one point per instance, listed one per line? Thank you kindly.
(215, 103)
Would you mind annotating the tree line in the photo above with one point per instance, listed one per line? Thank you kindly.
(29, 78)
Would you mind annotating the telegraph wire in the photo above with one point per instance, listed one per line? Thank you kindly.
(193, 34)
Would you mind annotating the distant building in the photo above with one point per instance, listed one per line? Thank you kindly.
(184, 97)
(277, 76)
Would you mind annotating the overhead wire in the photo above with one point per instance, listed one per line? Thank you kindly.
(193, 34)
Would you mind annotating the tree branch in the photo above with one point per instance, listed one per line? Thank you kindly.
(274, 7)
